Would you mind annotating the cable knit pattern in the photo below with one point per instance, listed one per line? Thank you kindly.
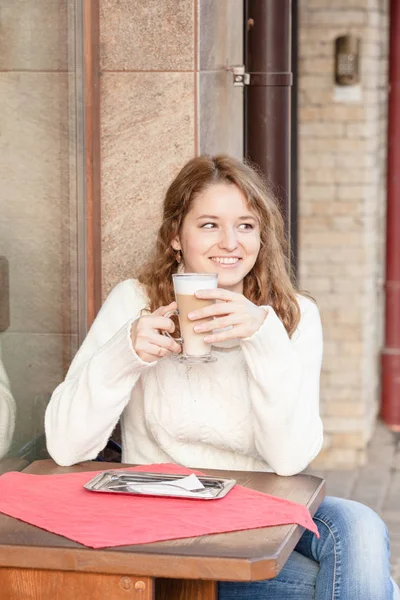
(256, 408)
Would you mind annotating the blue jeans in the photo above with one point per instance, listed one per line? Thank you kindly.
(350, 561)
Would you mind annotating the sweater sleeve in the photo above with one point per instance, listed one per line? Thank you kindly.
(86, 407)
(7, 412)
(284, 388)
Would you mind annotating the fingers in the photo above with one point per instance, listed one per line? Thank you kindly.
(148, 343)
(149, 335)
(215, 310)
(220, 323)
(235, 332)
(155, 347)
(217, 294)
(151, 353)
(162, 310)
(151, 322)
(164, 342)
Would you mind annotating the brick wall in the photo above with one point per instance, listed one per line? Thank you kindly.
(341, 204)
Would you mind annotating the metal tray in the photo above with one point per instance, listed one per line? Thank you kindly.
(138, 483)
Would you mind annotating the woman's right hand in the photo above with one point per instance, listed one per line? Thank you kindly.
(148, 341)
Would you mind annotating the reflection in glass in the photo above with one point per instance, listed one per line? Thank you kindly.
(7, 411)
(41, 109)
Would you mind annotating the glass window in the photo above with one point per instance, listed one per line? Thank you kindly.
(41, 214)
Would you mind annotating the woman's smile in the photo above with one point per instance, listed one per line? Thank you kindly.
(226, 262)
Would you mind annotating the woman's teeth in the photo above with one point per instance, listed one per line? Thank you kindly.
(225, 261)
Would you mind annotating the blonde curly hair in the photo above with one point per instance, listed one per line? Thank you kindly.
(269, 280)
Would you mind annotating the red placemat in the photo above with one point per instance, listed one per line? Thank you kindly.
(60, 504)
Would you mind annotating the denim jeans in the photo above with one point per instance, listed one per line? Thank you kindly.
(350, 561)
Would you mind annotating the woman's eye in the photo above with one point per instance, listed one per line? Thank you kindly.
(246, 226)
(208, 226)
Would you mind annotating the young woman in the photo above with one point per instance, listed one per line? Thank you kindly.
(255, 408)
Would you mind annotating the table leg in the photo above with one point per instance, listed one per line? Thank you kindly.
(32, 584)
(186, 589)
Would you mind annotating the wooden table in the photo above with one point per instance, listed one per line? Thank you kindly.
(38, 565)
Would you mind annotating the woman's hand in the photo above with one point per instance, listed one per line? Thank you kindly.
(231, 310)
(148, 341)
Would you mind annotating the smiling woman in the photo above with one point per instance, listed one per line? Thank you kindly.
(219, 217)
(256, 408)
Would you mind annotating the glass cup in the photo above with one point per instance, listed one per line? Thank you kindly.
(195, 349)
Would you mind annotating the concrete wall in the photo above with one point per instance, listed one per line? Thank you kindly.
(220, 41)
(165, 96)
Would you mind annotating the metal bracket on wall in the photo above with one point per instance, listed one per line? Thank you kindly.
(240, 77)
(259, 79)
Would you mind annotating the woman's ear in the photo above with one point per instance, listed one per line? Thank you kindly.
(176, 244)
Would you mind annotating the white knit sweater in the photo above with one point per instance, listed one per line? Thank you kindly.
(256, 408)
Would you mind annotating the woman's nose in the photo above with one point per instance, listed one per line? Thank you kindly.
(228, 240)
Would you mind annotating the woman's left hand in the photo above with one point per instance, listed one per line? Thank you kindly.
(231, 310)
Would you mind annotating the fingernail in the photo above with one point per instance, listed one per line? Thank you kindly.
(207, 339)
(191, 315)
(197, 327)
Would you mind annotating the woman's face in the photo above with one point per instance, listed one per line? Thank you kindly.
(220, 234)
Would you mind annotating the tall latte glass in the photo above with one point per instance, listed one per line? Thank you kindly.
(195, 350)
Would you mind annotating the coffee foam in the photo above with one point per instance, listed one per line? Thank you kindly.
(189, 284)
